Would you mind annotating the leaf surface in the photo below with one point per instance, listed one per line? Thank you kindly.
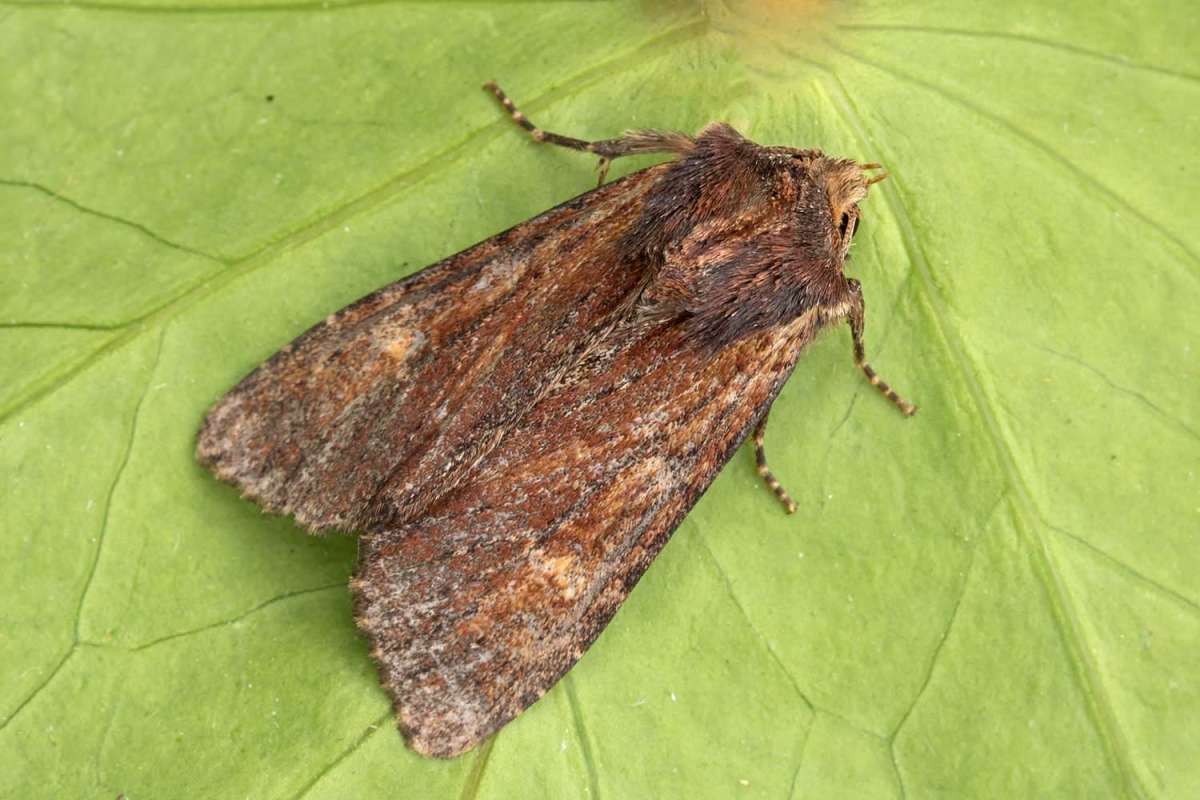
(995, 598)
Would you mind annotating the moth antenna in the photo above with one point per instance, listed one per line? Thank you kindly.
(537, 133)
(873, 166)
(760, 457)
(631, 142)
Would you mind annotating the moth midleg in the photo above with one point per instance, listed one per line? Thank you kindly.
(642, 141)
(856, 317)
(760, 458)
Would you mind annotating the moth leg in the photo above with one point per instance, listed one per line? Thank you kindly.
(760, 457)
(632, 142)
(856, 316)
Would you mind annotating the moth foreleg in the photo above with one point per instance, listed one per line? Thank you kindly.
(856, 317)
(760, 458)
(642, 141)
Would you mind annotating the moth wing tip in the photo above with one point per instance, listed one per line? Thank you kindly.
(435, 738)
(436, 749)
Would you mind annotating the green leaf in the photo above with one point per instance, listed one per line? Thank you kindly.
(997, 598)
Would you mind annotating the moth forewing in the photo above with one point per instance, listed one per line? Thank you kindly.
(516, 431)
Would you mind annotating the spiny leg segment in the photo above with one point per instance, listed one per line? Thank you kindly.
(856, 318)
(630, 143)
(760, 458)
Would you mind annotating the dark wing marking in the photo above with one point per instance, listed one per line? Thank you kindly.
(421, 378)
(480, 606)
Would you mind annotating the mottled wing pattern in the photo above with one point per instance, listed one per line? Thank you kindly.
(478, 607)
(367, 417)
(519, 429)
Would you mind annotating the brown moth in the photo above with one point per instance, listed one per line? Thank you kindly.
(517, 430)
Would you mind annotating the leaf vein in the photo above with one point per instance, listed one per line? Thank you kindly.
(1046, 569)
(38, 689)
(104, 215)
(61, 326)
(896, 770)
(244, 265)
(1024, 38)
(87, 583)
(728, 584)
(937, 650)
(470, 790)
(1146, 401)
(1034, 142)
(234, 620)
(585, 745)
(795, 785)
(242, 8)
(112, 489)
(370, 731)
(1120, 566)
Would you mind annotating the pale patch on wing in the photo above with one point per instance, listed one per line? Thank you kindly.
(481, 605)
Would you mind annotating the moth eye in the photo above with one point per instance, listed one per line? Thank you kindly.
(844, 225)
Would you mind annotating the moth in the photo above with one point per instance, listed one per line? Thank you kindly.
(516, 431)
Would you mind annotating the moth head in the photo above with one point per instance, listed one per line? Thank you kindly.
(846, 184)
